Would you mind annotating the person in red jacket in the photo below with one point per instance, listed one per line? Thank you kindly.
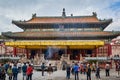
(29, 72)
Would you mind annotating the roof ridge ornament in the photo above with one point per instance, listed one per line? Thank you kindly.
(94, 14)
(34, 15)
(63, 13)
(71, 15)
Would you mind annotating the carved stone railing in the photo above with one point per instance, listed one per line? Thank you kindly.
(38, 60)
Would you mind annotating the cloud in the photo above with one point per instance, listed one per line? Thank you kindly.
(5, 25)
(23, 10)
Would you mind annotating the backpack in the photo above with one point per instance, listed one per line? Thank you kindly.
(9, 71)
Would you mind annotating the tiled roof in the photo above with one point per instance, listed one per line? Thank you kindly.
(77, 19)
(77, 22)
(60, 34)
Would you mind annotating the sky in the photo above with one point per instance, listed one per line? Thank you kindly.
(23, 10)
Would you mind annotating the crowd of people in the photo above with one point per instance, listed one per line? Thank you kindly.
(11, 69)
(77, 68)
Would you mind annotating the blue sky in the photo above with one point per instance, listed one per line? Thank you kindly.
(23, 10)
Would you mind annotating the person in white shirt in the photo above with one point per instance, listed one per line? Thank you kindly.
(107, 70)
(19, 65)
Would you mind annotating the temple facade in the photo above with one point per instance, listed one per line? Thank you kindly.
(55, 36)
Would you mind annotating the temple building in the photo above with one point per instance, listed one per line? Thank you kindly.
(54, 36)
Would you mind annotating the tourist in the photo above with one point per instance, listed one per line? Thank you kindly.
(29, 72)
(93, 67)
(6, 65)
(11, 64)
(50, 71)
(15, 72)
(72, 66)
(107, 69)
(9, 72)
(88, 71)
(64, 63)
(2, 72)
(76, 70)
(98, 72)
(118, 65)
(43, 68)
(68, 70)
(24, 70)
(81, 68)
(19, 65)
(84, 68)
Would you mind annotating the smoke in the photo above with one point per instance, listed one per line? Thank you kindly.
(51, 51)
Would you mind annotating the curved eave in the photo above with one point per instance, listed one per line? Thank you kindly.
(7, 34)
(105, 23)
(61, 35)
(24, 25)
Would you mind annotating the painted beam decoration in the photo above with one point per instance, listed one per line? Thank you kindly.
(55, 43)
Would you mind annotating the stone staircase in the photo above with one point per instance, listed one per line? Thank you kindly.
(39, 60)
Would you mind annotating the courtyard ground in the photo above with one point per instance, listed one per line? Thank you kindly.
(61, 75)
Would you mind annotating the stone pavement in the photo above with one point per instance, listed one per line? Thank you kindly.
(61, 75)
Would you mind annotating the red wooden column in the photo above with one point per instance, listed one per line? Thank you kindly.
(96, 52)
(110, 53)
(109, 50)
(5, 51)
(97, 55)
(68, 50)
(27, 53)
(14, 51)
